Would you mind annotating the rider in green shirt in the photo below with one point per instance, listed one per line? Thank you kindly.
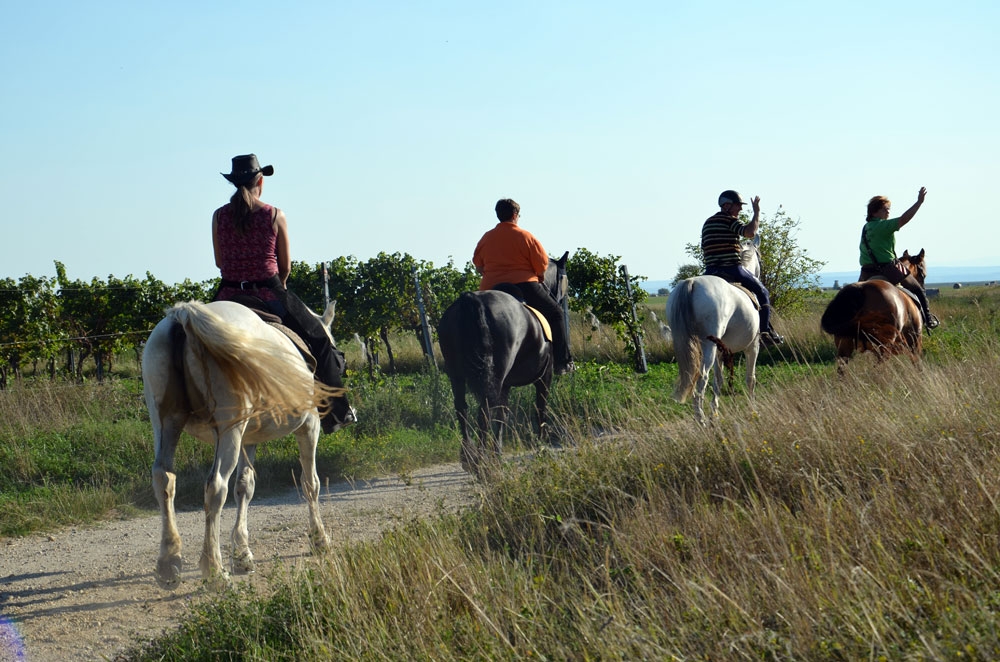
(878, 249)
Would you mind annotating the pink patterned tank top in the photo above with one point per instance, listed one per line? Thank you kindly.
(249, 255)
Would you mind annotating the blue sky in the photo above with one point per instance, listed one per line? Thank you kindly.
(396, 126)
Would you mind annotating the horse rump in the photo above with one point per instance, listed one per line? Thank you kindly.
(467, 345)
(841, 315)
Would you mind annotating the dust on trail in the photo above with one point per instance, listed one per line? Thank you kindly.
(86, 593)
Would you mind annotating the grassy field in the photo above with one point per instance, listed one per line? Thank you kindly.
(831, 518)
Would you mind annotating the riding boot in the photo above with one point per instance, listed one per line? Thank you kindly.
(537, 297)
(330, 363)
(329, 371)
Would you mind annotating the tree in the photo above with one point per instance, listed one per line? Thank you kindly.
(687, 270)
(787, 271)
(597, 285)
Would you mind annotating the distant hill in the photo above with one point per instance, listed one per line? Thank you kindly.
(938, 277)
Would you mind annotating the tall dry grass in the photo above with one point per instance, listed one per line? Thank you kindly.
(832, 518)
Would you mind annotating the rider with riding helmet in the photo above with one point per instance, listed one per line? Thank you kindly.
(510, 254)
(720, 245)
(250, 238)
(878, 250)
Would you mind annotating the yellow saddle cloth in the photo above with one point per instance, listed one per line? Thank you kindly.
(546, 329)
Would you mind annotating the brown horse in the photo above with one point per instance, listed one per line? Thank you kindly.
(877, 316)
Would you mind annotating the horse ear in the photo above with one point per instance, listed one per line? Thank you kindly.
(921, 254)
(562, 260)
(331, 310)
(906, 255)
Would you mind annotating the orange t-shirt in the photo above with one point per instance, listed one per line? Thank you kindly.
(509, 254)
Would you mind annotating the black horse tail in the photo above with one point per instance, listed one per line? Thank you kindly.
(840, 316)
(477, 353)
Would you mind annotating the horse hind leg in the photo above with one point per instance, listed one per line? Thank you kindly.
(246, 482)
(227, 448)
(708, 351)
(169, 563)
(308, 438)
(467, 453)
(543, 430)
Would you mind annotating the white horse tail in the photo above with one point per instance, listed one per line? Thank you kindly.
(269, 382)
(687, 348)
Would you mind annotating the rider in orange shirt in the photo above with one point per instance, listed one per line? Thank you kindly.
(511, 254)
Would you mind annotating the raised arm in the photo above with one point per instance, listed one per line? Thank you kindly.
(912, 211)
(750, 231)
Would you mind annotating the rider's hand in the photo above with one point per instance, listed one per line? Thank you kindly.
(921, 194)
(756, 204)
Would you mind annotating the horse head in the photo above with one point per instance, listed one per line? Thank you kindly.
(916, 265)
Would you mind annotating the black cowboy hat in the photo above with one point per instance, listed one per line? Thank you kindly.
(245, 170)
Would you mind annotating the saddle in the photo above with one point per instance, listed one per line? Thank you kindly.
(258, 306)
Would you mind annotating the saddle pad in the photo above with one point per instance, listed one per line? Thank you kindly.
(546, 329)
(753, 297)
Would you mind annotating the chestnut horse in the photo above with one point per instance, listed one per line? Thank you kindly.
(877, 316)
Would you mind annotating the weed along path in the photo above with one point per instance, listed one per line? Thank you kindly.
(86, 593)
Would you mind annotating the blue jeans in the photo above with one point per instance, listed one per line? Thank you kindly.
(738, 274)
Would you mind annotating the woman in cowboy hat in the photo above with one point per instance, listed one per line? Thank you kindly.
(250, 238)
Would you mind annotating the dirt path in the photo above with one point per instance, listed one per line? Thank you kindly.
(87, 593)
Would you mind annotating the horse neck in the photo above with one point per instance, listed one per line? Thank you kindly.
(750, 260)
(551, 281)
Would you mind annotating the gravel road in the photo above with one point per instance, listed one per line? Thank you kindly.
(86, 593)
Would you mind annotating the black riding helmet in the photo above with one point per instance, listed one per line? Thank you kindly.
(730, 197)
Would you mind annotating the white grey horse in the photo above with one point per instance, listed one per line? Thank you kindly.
(220, 373)
(709, 317)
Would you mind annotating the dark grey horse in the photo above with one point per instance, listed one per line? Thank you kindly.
(491, 342)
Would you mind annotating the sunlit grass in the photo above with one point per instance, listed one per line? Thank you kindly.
(831, 518)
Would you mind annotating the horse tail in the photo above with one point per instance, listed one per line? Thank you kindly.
(477, 350)
(270, 385)
(840, 316)
(687, 348)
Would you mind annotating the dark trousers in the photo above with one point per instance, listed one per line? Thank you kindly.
(330, 363)
(536, 296)
(738, 274)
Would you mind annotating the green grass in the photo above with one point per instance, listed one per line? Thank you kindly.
(831, 519)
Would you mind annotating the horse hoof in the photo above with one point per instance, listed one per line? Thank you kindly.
(243, 563)
(168, 572)
(217, 581)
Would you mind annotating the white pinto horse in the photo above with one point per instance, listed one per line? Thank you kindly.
(710, 320)
(220, 373)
